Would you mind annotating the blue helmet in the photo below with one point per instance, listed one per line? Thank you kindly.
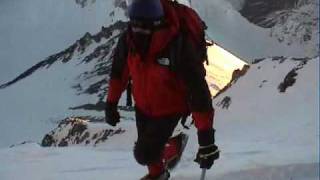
(150, 10)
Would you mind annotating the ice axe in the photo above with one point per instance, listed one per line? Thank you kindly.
(203, 174)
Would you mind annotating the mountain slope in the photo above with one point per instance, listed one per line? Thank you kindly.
(74, 80)
(264, 134)
(31, 30)
(55, 85)
(48, 89)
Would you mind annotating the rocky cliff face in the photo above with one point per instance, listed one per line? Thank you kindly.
(257, 11)
(290, 21)
(76, 131)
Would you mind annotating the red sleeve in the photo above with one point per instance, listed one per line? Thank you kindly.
(203, 120)
(193, 73)
(119, 76)
(117, 86)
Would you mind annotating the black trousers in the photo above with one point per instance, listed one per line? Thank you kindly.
(153, 134)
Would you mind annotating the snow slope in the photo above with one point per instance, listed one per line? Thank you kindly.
(264, 134)
(33, 106)
(32, 31)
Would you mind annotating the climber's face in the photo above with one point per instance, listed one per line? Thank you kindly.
(140, 27)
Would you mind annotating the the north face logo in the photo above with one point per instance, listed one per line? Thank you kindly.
(164, 61)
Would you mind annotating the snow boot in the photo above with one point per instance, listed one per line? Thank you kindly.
(174, 150)
(164, 176)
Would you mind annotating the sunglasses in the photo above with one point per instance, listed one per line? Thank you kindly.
(140, 30)
(145, 26)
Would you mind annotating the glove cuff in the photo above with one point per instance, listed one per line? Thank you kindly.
(206, 137)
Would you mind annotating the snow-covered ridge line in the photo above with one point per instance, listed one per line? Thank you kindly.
(281, 59)
(290, 78)
(78, 47)
(290, 72)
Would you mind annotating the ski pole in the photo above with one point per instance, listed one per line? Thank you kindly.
(203, 174)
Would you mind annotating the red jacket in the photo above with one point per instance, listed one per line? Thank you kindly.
(158, 90)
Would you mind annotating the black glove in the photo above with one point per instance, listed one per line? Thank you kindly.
(208, 152)
(112, 114)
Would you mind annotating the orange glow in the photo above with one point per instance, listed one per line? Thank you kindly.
(221, 66)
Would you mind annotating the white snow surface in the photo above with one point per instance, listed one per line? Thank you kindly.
(264, 135)
(37, 29)
(32, 107)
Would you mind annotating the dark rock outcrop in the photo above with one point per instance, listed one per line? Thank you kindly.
(288, 81)
(225, 102)
(290, 78)
(75, 131)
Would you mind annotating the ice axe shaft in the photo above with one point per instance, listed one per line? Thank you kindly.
(203, 174)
